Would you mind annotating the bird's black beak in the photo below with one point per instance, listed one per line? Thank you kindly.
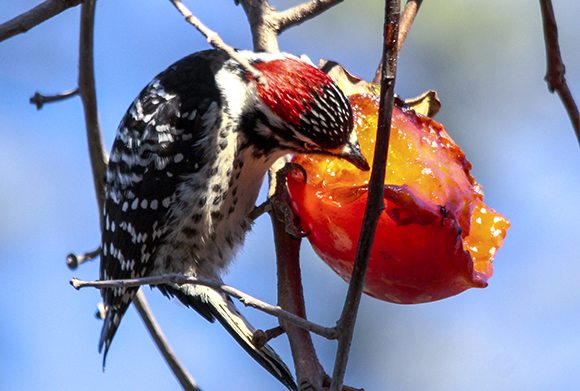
(351, 152)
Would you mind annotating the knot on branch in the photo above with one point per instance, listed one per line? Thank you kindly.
(280, 201)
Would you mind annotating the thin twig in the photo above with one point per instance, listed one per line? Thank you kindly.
(259, 210)
(555, 74)
(301, 13)
(262, 337)
(32, 18)
(375, 201)
(87, 91)
(215, 40)
(74, 260)
(407, 19)
(39, 100)
(181, 279)
(185, 379)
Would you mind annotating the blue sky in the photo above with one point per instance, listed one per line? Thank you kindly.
(485, 59)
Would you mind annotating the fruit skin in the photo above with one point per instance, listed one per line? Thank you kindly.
(435, 238)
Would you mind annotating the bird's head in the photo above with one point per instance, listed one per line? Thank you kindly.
(308, 111)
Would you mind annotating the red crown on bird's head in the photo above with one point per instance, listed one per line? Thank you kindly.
(307, 99)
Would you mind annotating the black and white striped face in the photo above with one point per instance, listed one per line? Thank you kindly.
(328, 121)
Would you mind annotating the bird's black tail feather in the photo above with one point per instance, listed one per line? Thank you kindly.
(112, 319)
(212, 305)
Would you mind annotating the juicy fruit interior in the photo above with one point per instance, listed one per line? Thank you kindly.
(424, 158)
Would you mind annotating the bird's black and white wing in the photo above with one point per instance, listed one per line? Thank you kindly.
(155, 144)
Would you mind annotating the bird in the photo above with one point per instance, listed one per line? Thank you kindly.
(186, 167)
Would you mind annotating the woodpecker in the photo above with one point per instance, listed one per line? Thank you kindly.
(186, 167)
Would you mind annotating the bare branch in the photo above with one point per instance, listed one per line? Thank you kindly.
(291, 298)
(32, 18)
(181, 279)
(262, 337)
(375, 201)
(280, 199)
(407, 19)
(74, 260)
(555, 74)
(259, 210)
(261, 17)
(301, 13)
(214, 40)
(290, 293)
(40, 100)
(88, 95)
(267, 23)
(185, 379)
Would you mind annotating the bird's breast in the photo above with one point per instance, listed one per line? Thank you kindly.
(209, 217)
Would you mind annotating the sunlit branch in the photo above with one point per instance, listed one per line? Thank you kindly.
(375, 201)
(555, 74)
(39, 100)
(215, 40)
(301, 13)
(181, 279)
(87, 91)
(74, 260)
(290, 292)
(32, 18)
(184, 378)
(407, 19)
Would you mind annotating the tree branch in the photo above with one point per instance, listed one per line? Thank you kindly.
(74, 260)
(87, 91)
(181, 279)
(261, 18)
(259, 210)
(375, 201)
(407, 19)
(39, 100)
(262, 337)
(32, 18)
(290, 293)
(555, 73)
(301, 13)
(185, 379)
(215, 40)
